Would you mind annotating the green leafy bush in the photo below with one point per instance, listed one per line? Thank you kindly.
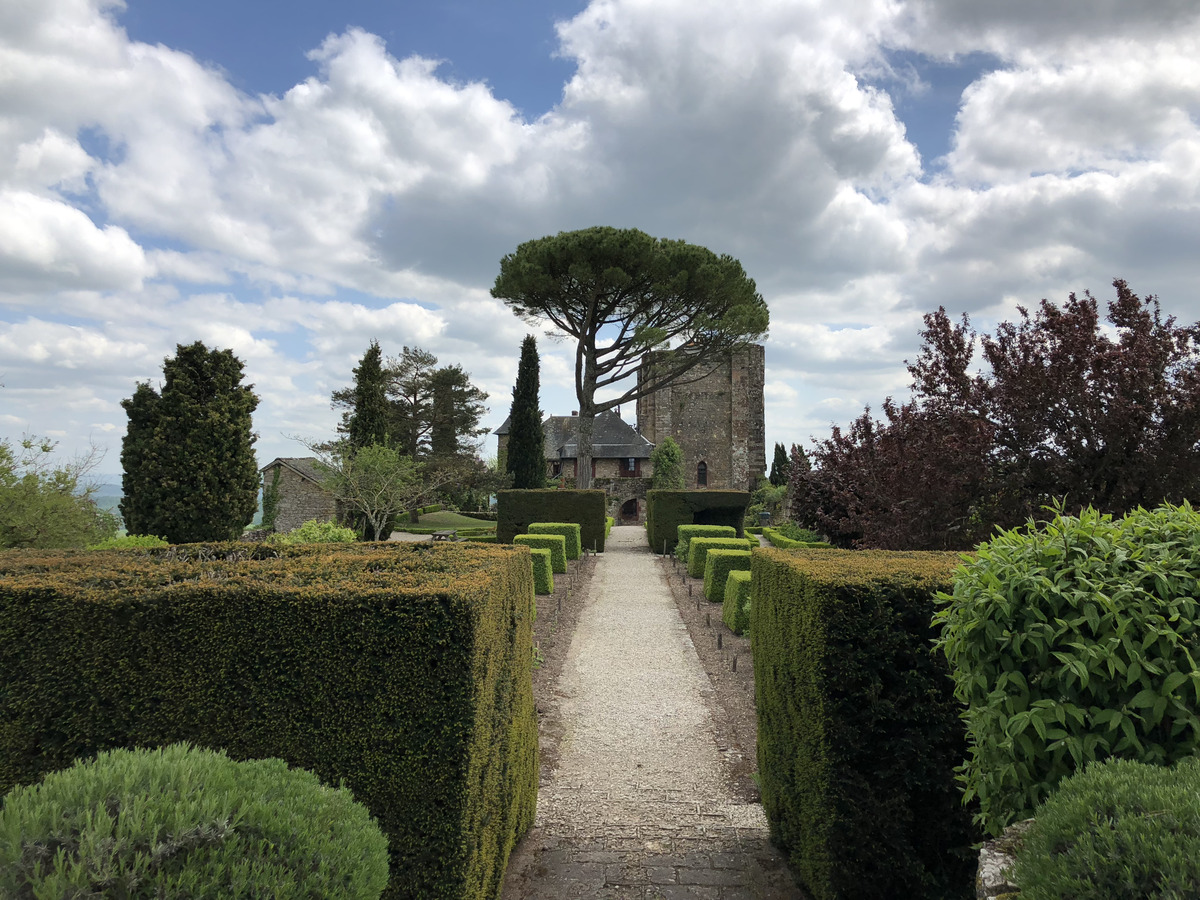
(778, 537)
(685, 533)
(1071, 642)
(130, 542)
(1118, 830)
(182, 821)
(698, 549)
(735, 608)
(717, 566)
(794, 532)
(314, 531)
(543, 570)
(609, 521)
(555, 543)
(569, 530)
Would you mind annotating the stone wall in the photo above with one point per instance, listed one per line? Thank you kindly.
(299, 499)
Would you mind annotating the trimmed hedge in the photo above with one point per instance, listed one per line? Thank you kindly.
(698, 550)
(858, 730)
(776, 539)
(735, 608)
(516, 510)
(685, 533)
(667, 510)
(403, 669)
(570, 530)
(183, 821)
(543, 570)
(717, 566)
(555, 543)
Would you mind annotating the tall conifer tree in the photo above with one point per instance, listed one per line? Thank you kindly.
(780, 466)
(137, 455)
(366, 422)
(526, 454)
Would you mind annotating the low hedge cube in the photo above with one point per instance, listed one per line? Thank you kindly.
(543, 570)
(572, 531)
(555, 543)
(698, 549)
(735, 609)
(717, 566)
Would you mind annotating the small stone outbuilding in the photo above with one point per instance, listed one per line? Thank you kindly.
(301, 494)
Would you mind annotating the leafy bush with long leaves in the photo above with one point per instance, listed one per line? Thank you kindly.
(1072, 642)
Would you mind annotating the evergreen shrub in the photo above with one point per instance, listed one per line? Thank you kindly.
(735, 607)
(1075, 641)
(555, 543)
(543, 570)
(858, 729)
(316, 531)
(698, 550)
(569, 530)
(777, 538)
(402, 669)
(181, 821)
(667, 510)
(609, 522)
(130, 542)
(717, 566)
(685, 533)
(516, 510)
(1117, 830)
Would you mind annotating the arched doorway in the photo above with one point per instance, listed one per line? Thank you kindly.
(629, 512)
(701, 474)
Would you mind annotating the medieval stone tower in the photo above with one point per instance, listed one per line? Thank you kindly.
(718, 420)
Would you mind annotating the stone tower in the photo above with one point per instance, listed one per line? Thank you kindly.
(718, 420)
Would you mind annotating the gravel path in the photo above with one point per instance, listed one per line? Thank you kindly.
(639, 805)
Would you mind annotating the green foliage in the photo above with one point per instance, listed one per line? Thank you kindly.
(270, 499)
(609, 521)
(569, 530)
(698, 548)
(45, 505)
(666, 459)
(735, 606)
(315, 531)
(130, 542)
(685, 533)
(525, 455)
(555, 543)
(517, 510)
(794, 532)
(717, 566)
(808, 540)
(181, 821)
(403, 670)
(188, 454)
(365, 421)
(543, 570)
(1071, 642)
(765, 498)
(858, 729)
(667, 510)
(780, 467)
(1119, 830)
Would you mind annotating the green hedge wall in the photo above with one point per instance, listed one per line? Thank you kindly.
(685, 533)
(776, 539)
(403, 669)
(570, 530)
(858, 730)
(717, 566)
(735, 607)
(667, 510)
(543, 570)
(555, 543)
(698, 549)
(517, 510)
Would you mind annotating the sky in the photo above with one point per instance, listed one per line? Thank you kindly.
(294, 179)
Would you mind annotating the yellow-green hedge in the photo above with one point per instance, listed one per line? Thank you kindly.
(858, 730)
(735, 608)
(555, 543)
(543, 570)
(718, 564)
(569, 530)
(698, 549)
(404, 670)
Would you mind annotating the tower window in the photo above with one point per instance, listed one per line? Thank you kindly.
(701, 474)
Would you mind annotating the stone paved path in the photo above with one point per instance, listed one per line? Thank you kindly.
(638, 805)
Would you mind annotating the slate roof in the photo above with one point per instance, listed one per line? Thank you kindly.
(612, 438)
(304, 466)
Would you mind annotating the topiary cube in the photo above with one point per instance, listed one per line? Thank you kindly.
(181, 821)
(555, 543)
(570, 530)
(735, 608)
(543, 570)
(717, 566)
(698, 549)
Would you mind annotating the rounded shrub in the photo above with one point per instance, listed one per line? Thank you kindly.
(1119, 830)
(314, 531)
(1072, 642)
(182, 821)
(130, 542)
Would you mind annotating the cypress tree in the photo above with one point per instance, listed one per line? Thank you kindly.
(780, 466)
(526, 454)
(366, 422)
(191, 466)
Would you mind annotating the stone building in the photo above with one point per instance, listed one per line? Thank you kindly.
(301, 494)
(718, 419)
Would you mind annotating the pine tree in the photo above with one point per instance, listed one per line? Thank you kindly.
(526, 454)
(455, 411)
(779, 467)
(366, 422)
(189, 453)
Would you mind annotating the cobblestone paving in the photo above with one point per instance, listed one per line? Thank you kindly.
(638, 805)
